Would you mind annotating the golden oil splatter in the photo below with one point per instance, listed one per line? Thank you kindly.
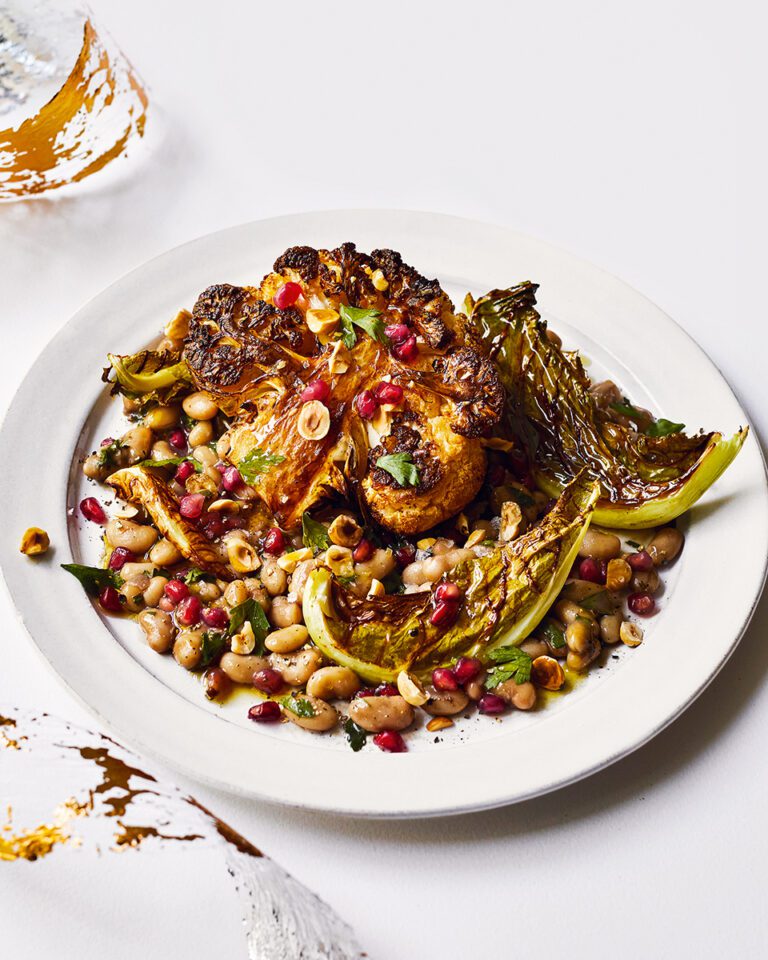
(99, 109)
(6, 740)
(133, 836)
(41, 840)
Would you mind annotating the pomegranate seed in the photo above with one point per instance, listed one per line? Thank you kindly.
(397, 332)
(444, 679)
(213, 527)
(109, 600)
(466, 669)
(107, 441)
(388, 393)
(216, 618)
(496, 475)
(490, 703)
(176, 590)
(518, 464)
(185, 470)
(386, 690)
(166, 604)
(274, 542)
(363, 551)
(231, 479)
(286, 295)
(407, 350)
(366, 404)
(365, 692)
(444, 614)
(191, 506)
(178, 440)
(642, 604)
(593, 570)
(405, 553)
(317, 390)
(120, 556)
(92, 510)
(268, 680)
(449, 592)
(266, 712)
(188, 611)
(390, 741)
(216, 683)
(641, 560)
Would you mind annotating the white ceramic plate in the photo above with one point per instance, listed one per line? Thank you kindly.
(156, 706)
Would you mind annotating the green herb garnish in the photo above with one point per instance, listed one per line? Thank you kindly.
(368, 320)
(510, 663)
(107, 454)
(663, 428)
(249, 610)
(211, 647)
(635, 544)
(298, 706)
(521, 498)
(346, 581)
(401, 467)
(313, 534)
(627, 410)
(172, 462)
(94, 579)
(256, 463)
(393, 582)
(195, 575)
(554, 635)
(488, 543)
(594, 600)
(356, 736)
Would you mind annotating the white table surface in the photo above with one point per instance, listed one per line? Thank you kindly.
(631, 135)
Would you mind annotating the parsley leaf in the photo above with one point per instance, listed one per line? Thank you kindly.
(663, 428)
(627, 410)
(298, 705)
(368, 320)
(356, 736)
(595, 600)
(553, 634)
(251, 611)
(195, 575)
(393, 582)
(171, 462)
(313, 534)
(401, 467)
(511, 663)
(108, 453)
(521, 498)
(93, 579)
(258, 461)
(348, 335)
(211, 647)
(635, 544)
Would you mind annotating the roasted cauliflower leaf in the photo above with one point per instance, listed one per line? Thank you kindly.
(505, 596)
(151, 376)
(143, 487)
(255, 359)
(644, 480)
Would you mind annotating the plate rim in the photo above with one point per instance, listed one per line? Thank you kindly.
(82, 319)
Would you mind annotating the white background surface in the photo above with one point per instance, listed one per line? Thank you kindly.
(631, 136)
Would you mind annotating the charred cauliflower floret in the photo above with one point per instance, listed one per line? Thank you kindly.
(255, 350)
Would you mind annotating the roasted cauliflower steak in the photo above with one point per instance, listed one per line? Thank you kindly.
(256, 359)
